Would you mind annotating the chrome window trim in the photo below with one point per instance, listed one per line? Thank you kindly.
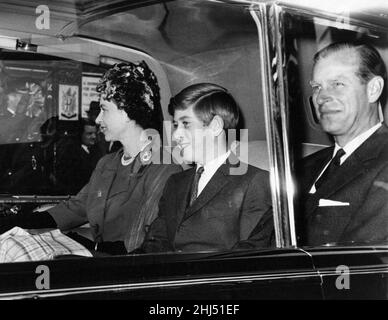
(158, 284)
(276, 113)
(269, 16)
(306, 274)
(330, 16)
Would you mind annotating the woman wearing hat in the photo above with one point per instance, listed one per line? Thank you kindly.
(121, 198)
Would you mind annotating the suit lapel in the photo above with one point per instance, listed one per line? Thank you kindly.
(213, 187)
(183, 187)
(311, 172)
(216, 183)
(348, 171)
(353, 167)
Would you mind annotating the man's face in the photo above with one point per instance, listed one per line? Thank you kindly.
(89, 135)
(340, 98)
(193, 137)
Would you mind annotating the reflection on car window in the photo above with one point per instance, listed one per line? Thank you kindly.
(340, 140)
(222, 204)
(116, 202)
(40, 117)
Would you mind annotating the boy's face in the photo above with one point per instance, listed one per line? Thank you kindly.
(193, 137)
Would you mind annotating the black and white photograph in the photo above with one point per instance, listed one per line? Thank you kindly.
(68, 102)
(193, 156)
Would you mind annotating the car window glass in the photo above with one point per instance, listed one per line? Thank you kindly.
(191, 41)
(44, 100)
(327, 215)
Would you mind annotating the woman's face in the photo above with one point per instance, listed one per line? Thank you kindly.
(113, 121)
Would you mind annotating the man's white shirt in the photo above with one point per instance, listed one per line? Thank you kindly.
(85, 148)
(349, 148)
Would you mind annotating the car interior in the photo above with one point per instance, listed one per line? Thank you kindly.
(52, 57)
(184, 42)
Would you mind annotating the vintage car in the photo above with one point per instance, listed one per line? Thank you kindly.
(262, 52)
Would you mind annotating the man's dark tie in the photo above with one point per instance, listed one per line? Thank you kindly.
(331, 168)
(194, 187)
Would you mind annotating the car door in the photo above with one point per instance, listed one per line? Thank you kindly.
(184, 42)
(245, 47)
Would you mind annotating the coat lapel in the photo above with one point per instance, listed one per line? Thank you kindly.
(353, 167)
(214, 186)
(137, 169)
(311, 172)
(183, 187)
(349, 170)
(107, 178)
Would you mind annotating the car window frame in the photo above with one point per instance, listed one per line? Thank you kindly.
(270, 21)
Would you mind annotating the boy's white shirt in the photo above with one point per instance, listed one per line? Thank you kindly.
(210, 169)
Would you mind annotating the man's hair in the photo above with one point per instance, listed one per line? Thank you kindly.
(94, 110)
(370, 62)
(207, 100)
(87, 122)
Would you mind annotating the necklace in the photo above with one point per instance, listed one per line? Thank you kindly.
(125, 160)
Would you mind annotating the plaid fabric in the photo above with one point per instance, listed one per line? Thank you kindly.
(17, 245)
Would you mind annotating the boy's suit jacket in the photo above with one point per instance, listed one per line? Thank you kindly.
(232, 211)
(352, 206)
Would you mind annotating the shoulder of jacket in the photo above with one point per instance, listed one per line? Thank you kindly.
(155, 168)
(107, 160)
(247, 170)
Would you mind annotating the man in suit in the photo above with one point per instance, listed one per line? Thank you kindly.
(220, 203)
(13, 121)
(22, 157)
(76, 160)
(345, 187)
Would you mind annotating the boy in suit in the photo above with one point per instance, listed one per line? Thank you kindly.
(220, 203)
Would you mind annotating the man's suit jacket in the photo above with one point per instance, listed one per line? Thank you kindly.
(232, 211)
(359, 189)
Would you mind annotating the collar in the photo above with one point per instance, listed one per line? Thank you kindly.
(210, 169)
(11, 111)
(352, 145)
(85, 148)
(146, 145)
(214, 164)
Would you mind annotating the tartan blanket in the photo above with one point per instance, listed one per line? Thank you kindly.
(18, 245)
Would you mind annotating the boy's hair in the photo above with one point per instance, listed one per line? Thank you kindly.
(207, 100)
